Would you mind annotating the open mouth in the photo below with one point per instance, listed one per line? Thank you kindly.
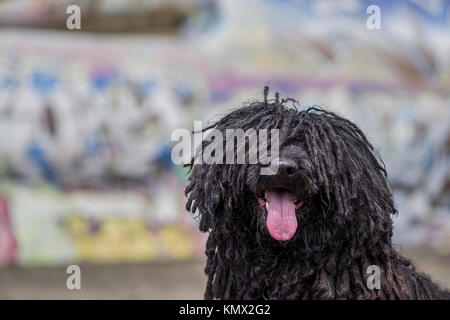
(280, 205)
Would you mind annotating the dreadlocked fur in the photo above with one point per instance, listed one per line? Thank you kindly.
(344, 224)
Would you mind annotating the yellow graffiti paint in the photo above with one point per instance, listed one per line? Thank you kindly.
(120, 240)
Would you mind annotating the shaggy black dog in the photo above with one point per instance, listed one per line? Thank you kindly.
(312, 230)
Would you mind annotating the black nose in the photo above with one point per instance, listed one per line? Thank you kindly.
(287, 167)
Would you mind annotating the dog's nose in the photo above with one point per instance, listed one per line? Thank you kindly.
(287, 167)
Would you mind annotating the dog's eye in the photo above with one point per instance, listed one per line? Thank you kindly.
(292, 150)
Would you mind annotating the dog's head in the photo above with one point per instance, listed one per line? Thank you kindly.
(328, 181)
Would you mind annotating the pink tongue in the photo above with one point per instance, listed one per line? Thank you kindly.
(281, 220)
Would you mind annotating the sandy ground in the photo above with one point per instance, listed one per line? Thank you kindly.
(183, 280)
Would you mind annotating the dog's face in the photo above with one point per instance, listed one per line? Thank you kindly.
(327, 173)
(281, 196)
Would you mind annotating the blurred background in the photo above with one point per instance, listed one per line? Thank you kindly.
(86, 116)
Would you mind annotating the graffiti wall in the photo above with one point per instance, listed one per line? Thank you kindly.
(85, 119)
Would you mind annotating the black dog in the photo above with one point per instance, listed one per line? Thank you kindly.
(312, 230)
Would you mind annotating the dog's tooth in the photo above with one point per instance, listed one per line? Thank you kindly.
(267, 205)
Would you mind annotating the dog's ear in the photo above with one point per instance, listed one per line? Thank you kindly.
(348, 167)
(205, 193)
(212, 185)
